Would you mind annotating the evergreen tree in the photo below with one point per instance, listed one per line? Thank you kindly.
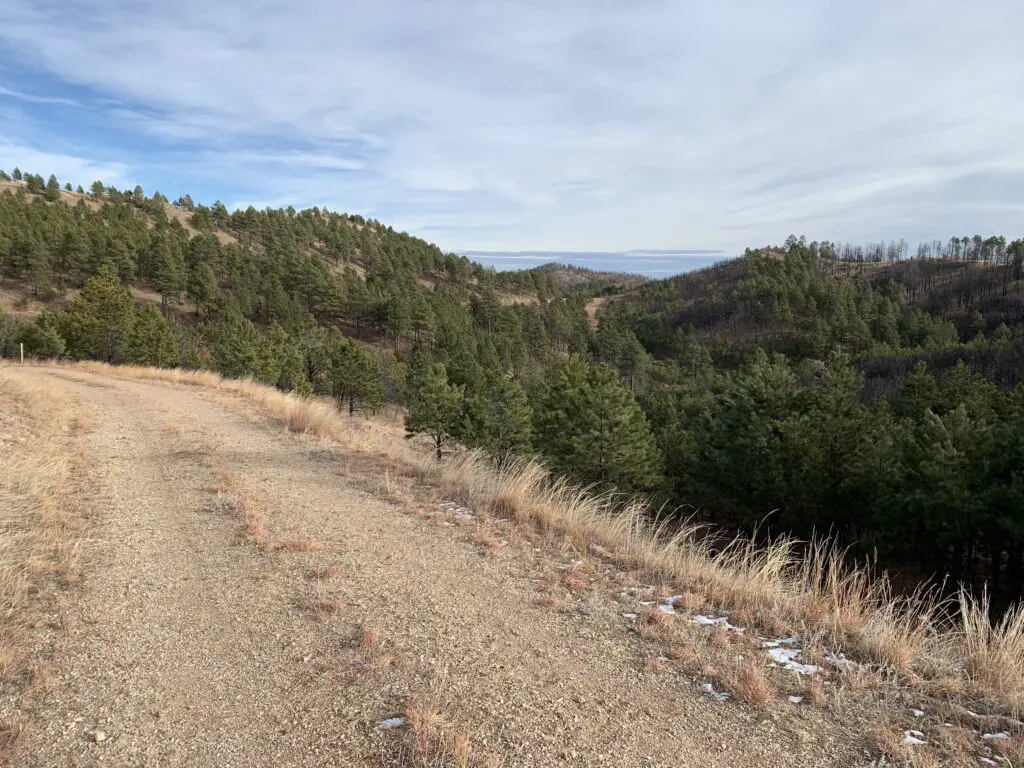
(588, 425)
(42, 338)
(201, 286)
(292, 376)
(151, 340)
(238, 349)
(354, 374)
(499, 420)
(100, 318)
(436, 409)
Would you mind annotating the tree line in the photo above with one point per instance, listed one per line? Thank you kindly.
(808, 387)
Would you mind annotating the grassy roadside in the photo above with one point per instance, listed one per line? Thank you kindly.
(41, 533)
(960, 667)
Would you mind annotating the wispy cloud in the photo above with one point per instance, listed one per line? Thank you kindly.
(33, 99)
(603, 125)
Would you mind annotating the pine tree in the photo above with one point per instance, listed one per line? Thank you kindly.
(201, 286)
(920, 393)
(151, 340)
(16, 174)
(292, 376)
(436, 410)
(417, 373)
(168, 270)
(499, 420)
(354, 374)
(238, 348)
(42, 339)
(589, 426)
(100, 318)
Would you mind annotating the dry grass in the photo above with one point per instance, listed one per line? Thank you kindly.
(12, 737)
(431, 742)
(369, 636)
(779, 585)
(655, 625)
(747, 681)
(486, 538)
(325, 606)
(572, 579)
(370, 641)
(40, 531)
(250, 512)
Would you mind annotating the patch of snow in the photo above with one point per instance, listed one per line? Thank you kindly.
(913, 738)
(795, 699)
(630, 616)
(392, 722)
(988, 761)
(1000, 736)
(780, 641)
(666, 608)
(787, 659)
(722, 621)
(917, 712)
(709, 689)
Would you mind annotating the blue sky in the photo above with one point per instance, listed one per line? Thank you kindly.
(592, 125)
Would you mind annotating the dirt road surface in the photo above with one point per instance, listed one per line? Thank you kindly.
(189, 646)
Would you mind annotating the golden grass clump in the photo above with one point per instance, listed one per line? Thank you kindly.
(747, 682)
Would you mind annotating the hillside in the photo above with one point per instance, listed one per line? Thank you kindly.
(801, 389)
(297, 275)
(589, 282)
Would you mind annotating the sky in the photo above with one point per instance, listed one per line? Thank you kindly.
(589, 125)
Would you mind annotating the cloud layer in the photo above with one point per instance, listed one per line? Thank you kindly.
(602, 125)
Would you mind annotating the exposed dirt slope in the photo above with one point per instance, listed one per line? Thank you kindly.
(191, 645)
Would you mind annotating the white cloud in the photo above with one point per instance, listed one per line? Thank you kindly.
(601, 125)
(65, 167)
(34, 99)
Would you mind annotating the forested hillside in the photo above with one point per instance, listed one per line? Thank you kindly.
(806, 388)
(814, 388)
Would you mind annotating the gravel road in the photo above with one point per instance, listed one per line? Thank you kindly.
(189, 646)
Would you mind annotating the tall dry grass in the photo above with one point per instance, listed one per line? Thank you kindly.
(40, 535)
(781, 586)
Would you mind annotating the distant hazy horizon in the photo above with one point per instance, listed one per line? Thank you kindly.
(655, 263)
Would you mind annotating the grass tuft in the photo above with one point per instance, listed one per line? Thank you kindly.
(748, 682)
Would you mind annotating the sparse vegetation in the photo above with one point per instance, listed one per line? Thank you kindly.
(41, 530)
